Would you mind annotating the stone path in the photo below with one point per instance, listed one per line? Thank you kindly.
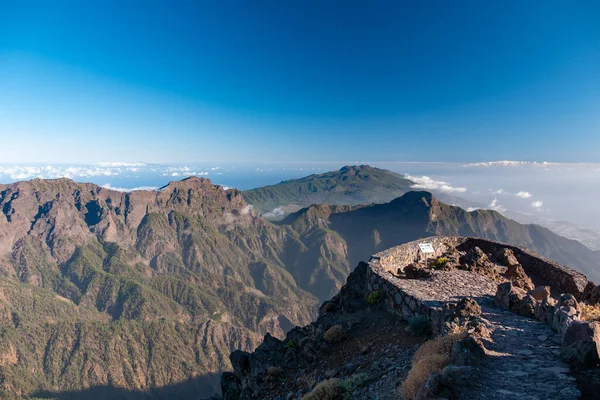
(523, 361)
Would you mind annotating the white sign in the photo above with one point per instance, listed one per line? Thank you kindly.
(426, 248)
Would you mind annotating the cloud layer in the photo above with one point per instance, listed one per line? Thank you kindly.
(426, 183)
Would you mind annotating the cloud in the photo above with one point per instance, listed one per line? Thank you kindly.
(275, 213)
(523, 195)
(494, 205)
(121, 164)
(118, 189)
(505, 163)
(499, 191)
(537, 204)
(425, 182)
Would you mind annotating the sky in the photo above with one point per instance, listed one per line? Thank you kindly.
(299, 81)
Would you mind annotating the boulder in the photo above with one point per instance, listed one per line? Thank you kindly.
(581, 355)
(563, 317)
(507, 257)
(580, 331)
(516, 274)
(568, 300)
(544, 310)
(540, 293)
(525, 307)
(447, 383)
(507, 295)
(469, 351)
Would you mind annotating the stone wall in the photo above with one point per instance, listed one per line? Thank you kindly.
(560, 278)
(402, 303)
(553, 274)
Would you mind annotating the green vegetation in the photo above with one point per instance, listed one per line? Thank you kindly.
(440, 262)
(351, 185)
(419, 325)
(375, 297)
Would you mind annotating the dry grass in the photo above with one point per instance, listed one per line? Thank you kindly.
(335, 334)
(590, 312)
(439, 345)
(431, 357)
(329, 389)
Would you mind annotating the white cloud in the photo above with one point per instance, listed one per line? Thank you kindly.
(523, 195)
(499, 191)
(537, 204)
(275, 213)
(504, 163)
(121, 164)
(425, 182)
(118, 189)
(494, 205)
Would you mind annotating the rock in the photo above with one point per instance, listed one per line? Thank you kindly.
(507, 257)
(516, 274)
(563, 317)
(469, 351)
(544, 310)
(568, 300)
(525, 307)
(447, 383)
(582, 354)
(581, 344)
(507, 295)
(327, 307)
(414, 272)
(540, 293)
(581, 331)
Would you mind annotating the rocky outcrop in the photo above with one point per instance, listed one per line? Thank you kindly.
(581, 344)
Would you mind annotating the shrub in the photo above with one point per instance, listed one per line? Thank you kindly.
(419, 325)
(375, 297)
(335, 334)
(441, 262)
(431, 357)
(291, 344)
(329, 389)
(419, 373)
(354, 382)
(439, 345)
(590, 312)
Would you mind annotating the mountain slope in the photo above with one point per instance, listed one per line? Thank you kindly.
(364, 230)
(136, 290)
(350, 185)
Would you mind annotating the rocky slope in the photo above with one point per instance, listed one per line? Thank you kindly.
(151, 290)
(136, 290)
(416, 215)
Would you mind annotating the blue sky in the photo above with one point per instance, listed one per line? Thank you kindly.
(226, 81)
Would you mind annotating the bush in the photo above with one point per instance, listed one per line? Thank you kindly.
(291, 344)
(439, 345)
(590, 312)
(329, 389)
(375, 297)
(441, 262)
(431, 357)
(419, 373)
(419, 325)
(335, 334)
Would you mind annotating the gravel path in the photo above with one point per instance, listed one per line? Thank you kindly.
(523, 361)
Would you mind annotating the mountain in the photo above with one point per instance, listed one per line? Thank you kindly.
(365, 229)
(136, 290)
(104, 293)
(350, 185)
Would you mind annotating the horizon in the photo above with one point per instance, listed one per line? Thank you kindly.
(208, 82)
